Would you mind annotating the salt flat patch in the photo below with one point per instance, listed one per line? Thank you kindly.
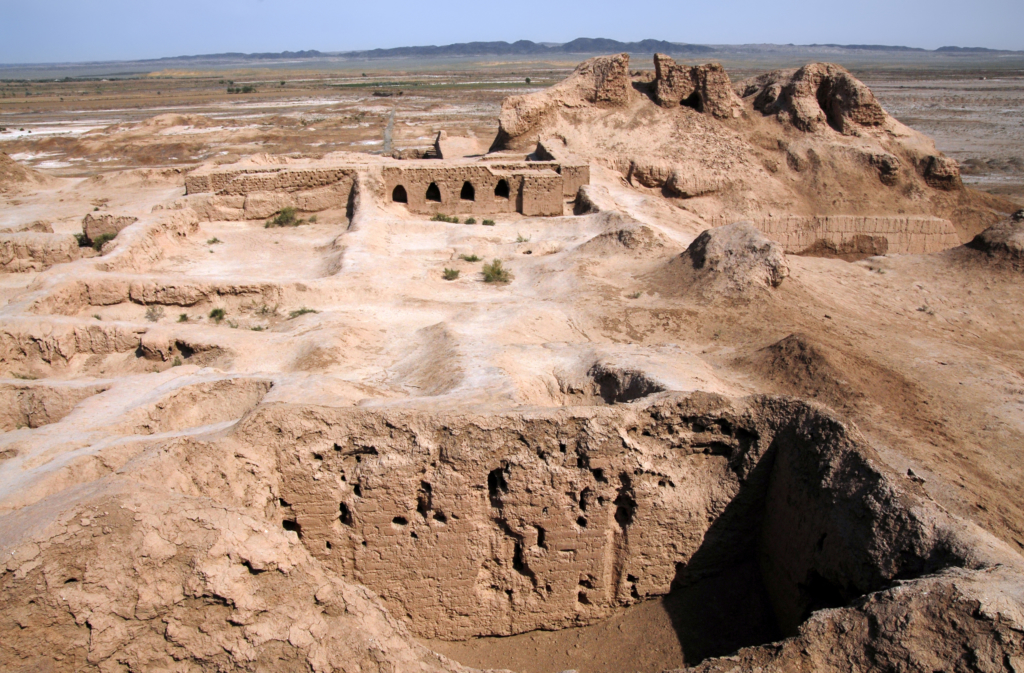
(193, 131)
(67, 129)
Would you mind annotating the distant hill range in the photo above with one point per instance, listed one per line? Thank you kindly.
(582, 45)
(773, 55)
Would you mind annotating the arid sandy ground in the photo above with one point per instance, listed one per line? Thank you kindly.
(129, 363)
(81, 128)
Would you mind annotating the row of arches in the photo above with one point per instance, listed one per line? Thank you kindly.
(468, 192)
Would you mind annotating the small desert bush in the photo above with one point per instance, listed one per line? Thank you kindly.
(522, 239)
(265, 310)
(213, 241)
(183, 317)
(312, 220)
(301, 311)
(488, 223)
(286, 217)
(496, 273)
(440, 217)
(470, 220)
(258, 328)
(451, 274)
(177, 362)
(154, 313)
(218, 314)
(100, 240)
(469, 258)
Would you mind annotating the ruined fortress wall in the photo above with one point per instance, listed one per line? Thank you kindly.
(542, 194)
(574, 173)
(533, 188)
(574, 176)
(493, 526)
(243, 181)
(31, 251)
(900, 234)
(449, 180)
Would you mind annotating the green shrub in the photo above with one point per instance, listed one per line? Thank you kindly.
(470, 220)
(469, 258)
(183, 317)
(451, 274)
(301, 311)
(100, 240)
(286, 217)
(488, 223)
(440, 217)
(522, 239)
(218, 314)
(265, 310)
(312, 220)
(97, 316)
(213, 241)
(258, 328)
(177, 362)
(496, 273)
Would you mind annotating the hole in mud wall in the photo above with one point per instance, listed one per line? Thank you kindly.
(468, 193)
(501, 190)
(619, 386)
(496, 485)
(345, 514)
(824, 96)
(433, 193)
(292, 526)
(694, 101)
(398, 195)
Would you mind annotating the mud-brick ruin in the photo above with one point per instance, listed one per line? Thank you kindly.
(535, 184)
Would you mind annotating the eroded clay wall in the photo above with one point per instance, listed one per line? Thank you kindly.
(906, 234)
(416, 180)
(242, 181)
(542, 194)
(470, 525)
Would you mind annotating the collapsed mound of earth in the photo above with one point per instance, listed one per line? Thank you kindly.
(800, 143)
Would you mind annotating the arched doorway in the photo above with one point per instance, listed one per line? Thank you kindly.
(433, 193)
(501, 189)
(399, 195)
(467, 193)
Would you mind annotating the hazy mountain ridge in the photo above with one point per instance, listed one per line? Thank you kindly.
(582, 45)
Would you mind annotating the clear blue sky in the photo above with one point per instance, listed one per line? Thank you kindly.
(41, 31)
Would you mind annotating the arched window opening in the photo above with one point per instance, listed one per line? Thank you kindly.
(501, 189)
(467, 193)
(433, 193)
(399, 195)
